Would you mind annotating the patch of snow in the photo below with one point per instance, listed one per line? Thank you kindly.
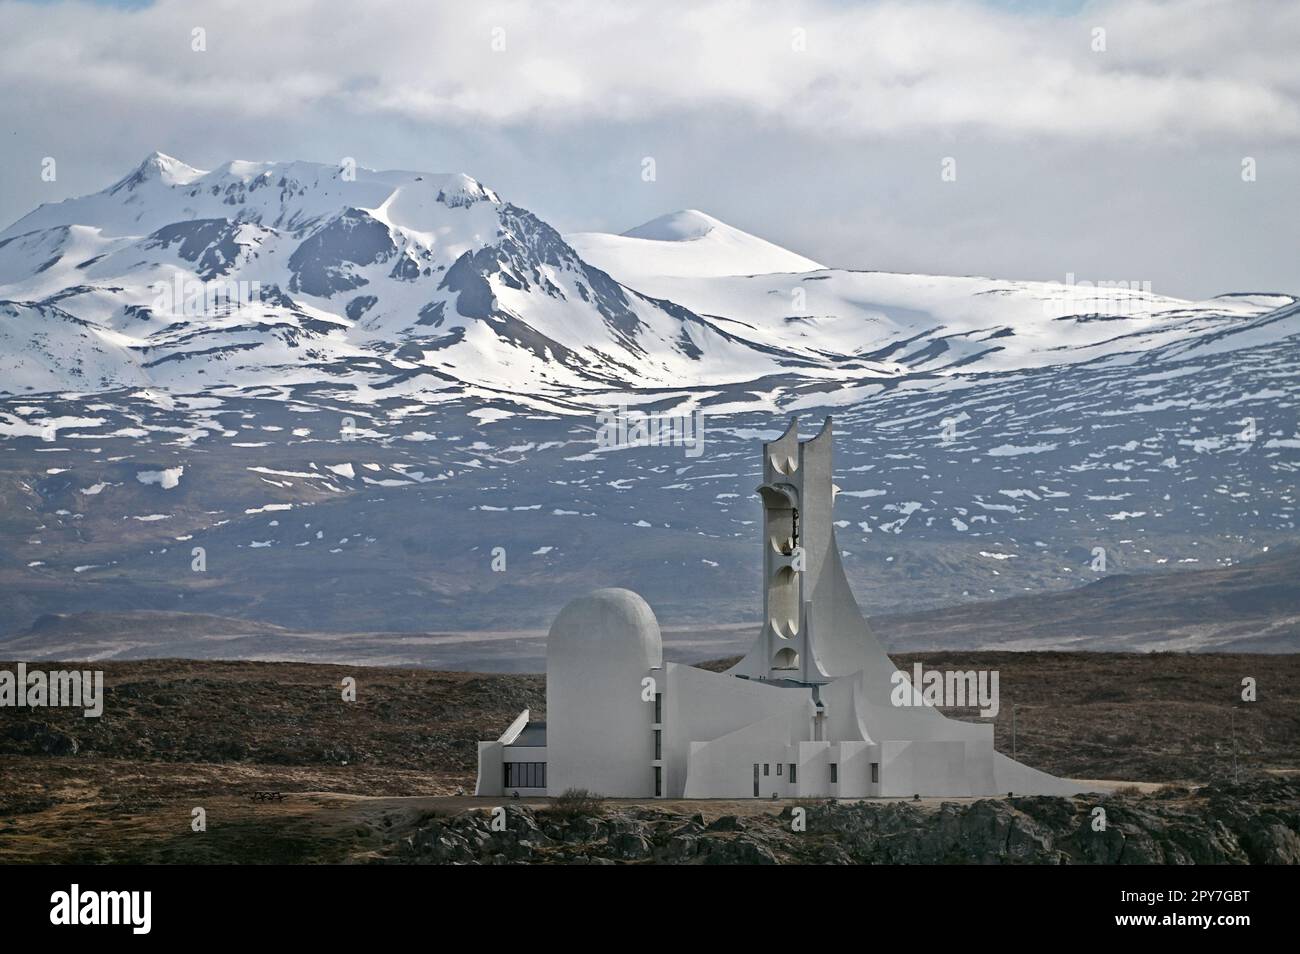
(167, 478)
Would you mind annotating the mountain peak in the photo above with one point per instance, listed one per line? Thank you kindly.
(684, 225)
(158, 166)
(686, 243)
(464, 190)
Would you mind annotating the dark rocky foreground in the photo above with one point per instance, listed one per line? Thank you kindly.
(1253, 823)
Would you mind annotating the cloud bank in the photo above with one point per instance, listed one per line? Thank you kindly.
(1107, 142)
(1195, 68)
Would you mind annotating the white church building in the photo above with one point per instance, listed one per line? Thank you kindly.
(809, 711)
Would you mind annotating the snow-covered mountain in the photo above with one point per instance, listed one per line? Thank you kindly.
(414, 380)
(352, 283)
(855, 320)
(336, 278)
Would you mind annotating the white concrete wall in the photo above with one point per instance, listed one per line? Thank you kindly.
(814, 775)
(525, 753)
(852, 759)
(489, 769)
(598, 728)
(701, 706)
(1011, 776)
(932, 767)
(724, 767)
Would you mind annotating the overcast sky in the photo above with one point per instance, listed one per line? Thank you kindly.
(822, 126)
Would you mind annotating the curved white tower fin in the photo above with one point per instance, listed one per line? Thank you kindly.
(823, 435)
(783, 453)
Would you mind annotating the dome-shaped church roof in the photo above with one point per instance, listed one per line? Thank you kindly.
(613, 624)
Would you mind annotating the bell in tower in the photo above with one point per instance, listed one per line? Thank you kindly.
(796, 494)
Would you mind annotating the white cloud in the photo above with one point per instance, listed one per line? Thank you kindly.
(1178, 69)
(1117, 165)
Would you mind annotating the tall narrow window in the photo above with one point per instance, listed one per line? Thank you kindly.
(756, 780)
(659, 744)
(659, 707)
(767, 768)
(794, 769)
(659, 781)
(875, 772)
(835, 773)
(779, 768)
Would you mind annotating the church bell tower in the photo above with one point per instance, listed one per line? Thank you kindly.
(797, 496)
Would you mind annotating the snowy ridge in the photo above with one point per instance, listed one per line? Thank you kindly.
(363, 279)
(356, 284)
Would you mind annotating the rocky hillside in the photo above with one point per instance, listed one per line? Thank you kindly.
(1256, 823)
(1252, 606)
